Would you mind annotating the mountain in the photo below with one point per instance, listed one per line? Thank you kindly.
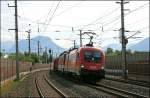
(5, 46)
(44, 42)
(141, 46)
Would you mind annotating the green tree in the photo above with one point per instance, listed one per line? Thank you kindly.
(117, 52)
(34, 58)
(109, 51)
(50, 58)
(128, 51)
(44, 57)
(25, 57)
(1, 54)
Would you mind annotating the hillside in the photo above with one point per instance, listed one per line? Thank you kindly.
(141, 46)
(44, 42)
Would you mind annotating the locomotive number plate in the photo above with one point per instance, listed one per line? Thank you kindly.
(92, 67)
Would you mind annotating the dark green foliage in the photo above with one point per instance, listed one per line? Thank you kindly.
(128, 51)
(109, 51)
(46, 58)
(25, 57)
(50, 58)
(117, 52)
(1, 54)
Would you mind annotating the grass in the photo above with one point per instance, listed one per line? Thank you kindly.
(8, 86)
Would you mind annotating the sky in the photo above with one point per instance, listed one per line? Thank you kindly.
(68, 17)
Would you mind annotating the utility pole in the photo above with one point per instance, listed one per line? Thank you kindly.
(16, 39)
(123, 40)
(29, 39)
(80, 38)
(52, 55)
(38, 46)
(46, 55)
(74, 43)
(38, 50)
(50, 58)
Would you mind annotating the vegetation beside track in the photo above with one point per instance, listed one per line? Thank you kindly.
(11, 86)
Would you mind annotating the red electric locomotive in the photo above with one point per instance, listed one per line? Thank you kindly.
(87, 62)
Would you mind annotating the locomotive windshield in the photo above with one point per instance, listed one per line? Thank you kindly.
(92, 56)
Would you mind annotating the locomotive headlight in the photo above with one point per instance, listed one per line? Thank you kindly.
(102, 67)
(82, 66)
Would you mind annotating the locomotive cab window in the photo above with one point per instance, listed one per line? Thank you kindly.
(92, 56)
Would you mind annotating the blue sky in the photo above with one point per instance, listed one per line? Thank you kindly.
(103, 17)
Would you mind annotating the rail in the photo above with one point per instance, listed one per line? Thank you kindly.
(122, 91)
(131, 81)
(56, 89)
(38, 89)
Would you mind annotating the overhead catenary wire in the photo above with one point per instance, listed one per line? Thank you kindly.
(117, 18)
(138, 8)
(67, 9)
(52, 15)
(104, 16)
(62, 25)
(49, 12)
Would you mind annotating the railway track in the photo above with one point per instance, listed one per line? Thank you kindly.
(38, 89)
(42, 91)
(63, 95)
(131, 81)
(117, 92)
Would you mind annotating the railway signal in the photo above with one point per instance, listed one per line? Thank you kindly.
(49, 51)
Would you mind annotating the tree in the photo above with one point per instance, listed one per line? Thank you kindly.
(128, 51)
(109, 51)
(44, 57)
(25, 57)
(50, 58)
(117, 52)
(34, 58)
(1, 54)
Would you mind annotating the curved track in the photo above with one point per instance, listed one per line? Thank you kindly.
(46, 89)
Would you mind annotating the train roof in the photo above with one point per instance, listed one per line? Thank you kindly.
(88, 47)
(81, 48)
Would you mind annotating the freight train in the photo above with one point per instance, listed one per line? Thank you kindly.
(85, 62)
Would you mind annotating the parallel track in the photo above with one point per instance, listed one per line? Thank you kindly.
(130, 81)
(115, 91)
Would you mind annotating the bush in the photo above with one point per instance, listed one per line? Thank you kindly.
(26, 58)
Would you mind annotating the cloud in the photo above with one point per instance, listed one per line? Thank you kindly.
(79, 14)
